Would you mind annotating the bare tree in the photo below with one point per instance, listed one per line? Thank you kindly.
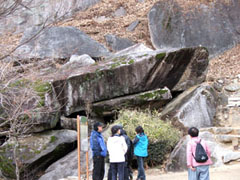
(9, 7)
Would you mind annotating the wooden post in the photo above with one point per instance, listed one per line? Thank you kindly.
(87, 168)
(79, 147)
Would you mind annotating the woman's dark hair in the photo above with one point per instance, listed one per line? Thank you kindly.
(139, 130)
(193, 132)
(115, 129)
(96, 125)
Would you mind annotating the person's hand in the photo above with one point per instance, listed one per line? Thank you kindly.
(192, 168)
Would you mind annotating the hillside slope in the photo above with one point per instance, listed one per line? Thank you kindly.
(100, 20)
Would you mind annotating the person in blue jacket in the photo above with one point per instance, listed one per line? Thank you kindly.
(140, 151)
(99, 150)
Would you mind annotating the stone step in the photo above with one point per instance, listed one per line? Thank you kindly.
(233, 101)
(222, 130)
(226, 135)
(227, 138)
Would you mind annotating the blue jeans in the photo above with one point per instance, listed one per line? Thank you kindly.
(117, 169)
(141, 172)
(201, 173)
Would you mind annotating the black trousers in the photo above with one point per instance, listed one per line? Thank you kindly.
(127, 172)
(98, 168)
(117, 170)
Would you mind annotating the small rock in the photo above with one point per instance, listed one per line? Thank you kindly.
(120, 12)
(116, 43)
(140, 1)
(101, 19)
(238, 76)
(232, 87)
(133, 25)
(231, 156)
(218, 86)
(78, 61)
(220, 81)
(83, 59)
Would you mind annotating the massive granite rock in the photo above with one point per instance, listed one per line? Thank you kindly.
(36, 152)
(194, 107)
(128, 74)
(213, 25)
(58, 43)
(68, 166)
(37, 12)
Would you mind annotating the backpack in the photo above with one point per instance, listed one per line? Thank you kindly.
(200, 153)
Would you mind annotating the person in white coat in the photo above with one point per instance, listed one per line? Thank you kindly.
(117, 148)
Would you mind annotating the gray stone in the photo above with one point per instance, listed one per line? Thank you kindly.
(218, 86)
(101, 19)
(120, 12)
(141, 1)
(129, 74)
(133, 25)
(40, 11)
(154, 99)
(58, 43)
(77, 61)
(227, 138)
(137, 48)
(38, 151)
(220, 81)
(212, 26)
(219, 130)
(232, 87)
(231, 156)
(67, 166)
(194, 107)
(116, 43)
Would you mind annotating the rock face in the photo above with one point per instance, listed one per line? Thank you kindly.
(36, 152)
(220, 153)
(58, 43)
(214, 26)
(130, 74)
(194, 107)
(153, 99)
(38, 11)
(67, 166)
(116, 43)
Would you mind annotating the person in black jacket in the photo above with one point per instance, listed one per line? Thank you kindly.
(128, 156)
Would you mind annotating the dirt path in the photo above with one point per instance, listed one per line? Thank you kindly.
(230, 172)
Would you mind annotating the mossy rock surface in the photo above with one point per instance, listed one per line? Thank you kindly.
(37, 151)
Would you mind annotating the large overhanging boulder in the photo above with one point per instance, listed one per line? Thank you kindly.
(213, 25)
(194, 107)
(58, 43)
(129, 74)
(36, 152)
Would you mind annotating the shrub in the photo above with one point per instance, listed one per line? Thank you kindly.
(162, 136)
